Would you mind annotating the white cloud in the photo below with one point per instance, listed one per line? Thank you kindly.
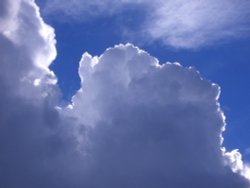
(34, 140)
(152, 124)
(191, 24)
(133, 123)
(176, 23)
(32, 46)
(234, 159)
(84, 10)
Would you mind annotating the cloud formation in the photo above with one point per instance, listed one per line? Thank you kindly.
(87, 9)
(196, 23)
(151, 124)
(180, 24)
(34, 141)
(133, 122)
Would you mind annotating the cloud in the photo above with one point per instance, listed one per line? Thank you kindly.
(133, 122)
(247, 151)
(34, 139)
(196, 23)
(84, 10)
(180, 24)
(151, 124)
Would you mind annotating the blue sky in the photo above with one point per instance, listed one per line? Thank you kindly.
(225, 62)
(124, 93)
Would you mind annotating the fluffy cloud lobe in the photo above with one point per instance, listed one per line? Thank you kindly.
(151, 124)
(133, 122)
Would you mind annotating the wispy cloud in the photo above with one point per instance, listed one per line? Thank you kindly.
(176, 23)
(196, 23)
(247, 151)
(83, 10)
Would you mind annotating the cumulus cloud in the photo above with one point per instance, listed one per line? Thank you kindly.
(176, 23)
(34, 140)
(133, 122)
(151, 124)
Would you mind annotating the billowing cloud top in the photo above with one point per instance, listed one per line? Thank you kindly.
(176, 23)
(133, 123)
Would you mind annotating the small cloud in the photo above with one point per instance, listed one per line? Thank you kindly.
(247, 151)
